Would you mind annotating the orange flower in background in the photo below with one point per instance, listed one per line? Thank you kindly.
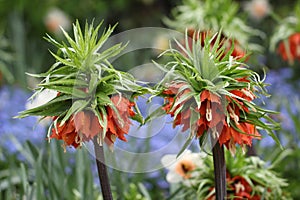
(84, 125)
(238, 51)
(291, 50)
(237, 188)
(241, 187)
(192, 33)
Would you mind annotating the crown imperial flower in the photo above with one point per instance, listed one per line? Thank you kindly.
(93, 99)
(212, 94)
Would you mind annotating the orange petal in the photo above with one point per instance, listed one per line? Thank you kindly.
(95, 126)
(225, 135)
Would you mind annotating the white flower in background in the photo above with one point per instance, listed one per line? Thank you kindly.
(182, 168)
(56, 18)
(40, 99)
(258, 9)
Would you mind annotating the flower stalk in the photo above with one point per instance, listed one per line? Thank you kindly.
(220, 171)
(102, 171)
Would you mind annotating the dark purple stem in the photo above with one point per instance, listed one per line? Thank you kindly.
(220, 171)
(102, 171)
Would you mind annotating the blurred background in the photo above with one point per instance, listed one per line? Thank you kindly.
(27, 160)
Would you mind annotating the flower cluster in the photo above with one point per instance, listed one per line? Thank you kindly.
(93, 99)
(84, 125)
(212, 94)
(243, 177)
(212, 117)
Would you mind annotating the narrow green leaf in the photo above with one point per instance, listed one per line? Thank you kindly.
(155, 114)
(103, 99)
(49, 109)
(65, 82)
(67, 90)
(77, 106)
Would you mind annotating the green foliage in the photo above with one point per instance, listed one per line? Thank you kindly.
(47, 173)
(201, 15)
(6, 57)
(288, 161)
(262, 178)
(283, 31)
(134, 192)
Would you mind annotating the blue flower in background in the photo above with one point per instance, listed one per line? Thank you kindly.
(12, 101)
(284, 99)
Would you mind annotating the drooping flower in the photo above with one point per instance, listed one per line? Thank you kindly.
(84, 125)
(119, 124)
(182, 117)
(94, 101)
(212, 115)
(67, 133)
(290, 49)
(212, 95)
